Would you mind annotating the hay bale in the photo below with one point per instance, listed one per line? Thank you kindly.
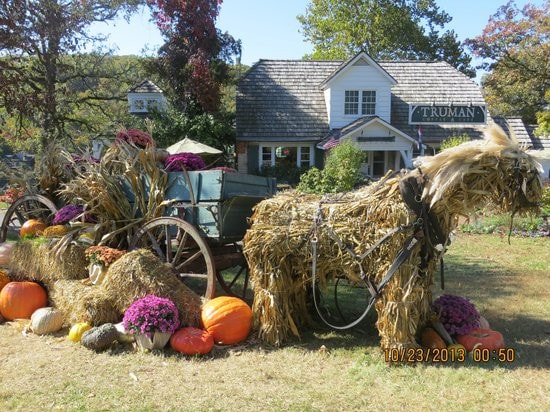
(35, 260)
(140, 273)
(83, 303)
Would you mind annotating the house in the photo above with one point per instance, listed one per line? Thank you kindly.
(290, 112)
(145, 97)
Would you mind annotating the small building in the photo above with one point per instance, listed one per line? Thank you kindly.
(291, 112)
(145, 97)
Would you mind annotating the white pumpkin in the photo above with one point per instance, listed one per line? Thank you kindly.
(46, 320)
(123, 335)
(6, 250)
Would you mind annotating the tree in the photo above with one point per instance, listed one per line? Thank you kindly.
(385, 29)
(515, 48)
(193, 61)
(43, 79)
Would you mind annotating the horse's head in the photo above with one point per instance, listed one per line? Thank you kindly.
(493, 170)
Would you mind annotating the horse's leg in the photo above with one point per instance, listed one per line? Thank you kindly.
(404, 308)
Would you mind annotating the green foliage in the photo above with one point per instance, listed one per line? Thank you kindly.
(545, 201)
(454, 141)
(515, 47)
(340, 174)
(213, 130)
(386, 29)
(501, 224)
(543, 122)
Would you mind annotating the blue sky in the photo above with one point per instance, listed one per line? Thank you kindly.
(269, 29)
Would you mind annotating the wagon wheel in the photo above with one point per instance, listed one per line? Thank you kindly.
(234, 279)
(180, 245)
(25, 208)
(350, 303)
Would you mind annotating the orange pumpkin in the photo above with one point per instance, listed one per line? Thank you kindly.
(4, 279)
(192, 341)
(21, 299)
(32, 227)
(227, 319)
(431, 339)
(481, 338)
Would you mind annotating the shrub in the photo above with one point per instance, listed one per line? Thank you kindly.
(341, 172)
(454, 141)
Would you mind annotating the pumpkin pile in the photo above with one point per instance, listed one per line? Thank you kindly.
(460, 326)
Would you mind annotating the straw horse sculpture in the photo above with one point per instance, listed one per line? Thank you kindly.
(424, 203)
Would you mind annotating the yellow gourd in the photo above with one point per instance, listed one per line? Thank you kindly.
(77, 330)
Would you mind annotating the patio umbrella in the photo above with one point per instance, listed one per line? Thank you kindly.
(191, 146)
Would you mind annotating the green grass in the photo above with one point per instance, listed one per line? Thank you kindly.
(507, 283)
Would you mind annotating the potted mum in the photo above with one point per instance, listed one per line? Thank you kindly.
(152, 320)
(457, 314)
(101, 257)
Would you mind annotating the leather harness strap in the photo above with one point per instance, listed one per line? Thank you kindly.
(426, 227)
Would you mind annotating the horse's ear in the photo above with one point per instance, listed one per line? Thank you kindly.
(494, 134)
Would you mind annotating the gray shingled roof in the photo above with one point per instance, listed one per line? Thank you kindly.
(283, 98)
(523, 133)
(146, 86)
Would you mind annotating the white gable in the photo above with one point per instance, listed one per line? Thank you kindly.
(361, 74)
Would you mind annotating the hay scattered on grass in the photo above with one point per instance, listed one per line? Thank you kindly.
(35, 260)
(140, 273)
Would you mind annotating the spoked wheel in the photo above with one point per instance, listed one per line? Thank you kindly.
(347, 307)
(232, 273)
(25, 208)
(180, 245)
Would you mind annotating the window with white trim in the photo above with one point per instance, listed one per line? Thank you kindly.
(368, 102)
(351, 102)
(304, 156)
(288, 155)
(266, 156)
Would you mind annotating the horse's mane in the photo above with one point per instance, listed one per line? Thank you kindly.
(449, 168)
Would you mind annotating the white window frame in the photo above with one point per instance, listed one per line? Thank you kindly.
(299, 146)
(351, 103)
(365, 103)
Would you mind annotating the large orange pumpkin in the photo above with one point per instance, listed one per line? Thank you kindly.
(192, 341)
(227, 319)
(481, 338)
(21, 299)
(32, 227)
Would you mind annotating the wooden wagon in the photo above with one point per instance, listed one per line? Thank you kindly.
(199, 235)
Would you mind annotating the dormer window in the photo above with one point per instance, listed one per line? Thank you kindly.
(351, 104)
(368, 102)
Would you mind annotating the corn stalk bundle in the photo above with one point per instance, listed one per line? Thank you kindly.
(123, 191)
(277, 246)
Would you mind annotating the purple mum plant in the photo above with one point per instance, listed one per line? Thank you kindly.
(188, 161)
(70, 212)
(151, 314)
(457, 314)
